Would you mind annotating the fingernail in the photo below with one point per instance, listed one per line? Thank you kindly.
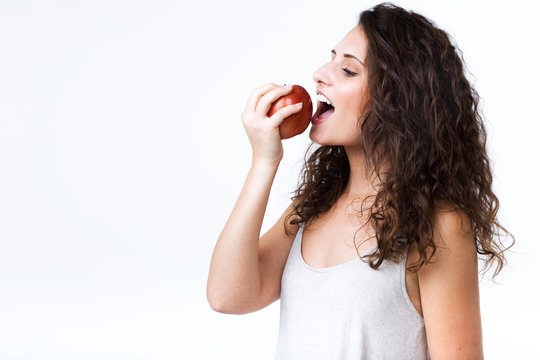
(299, 104)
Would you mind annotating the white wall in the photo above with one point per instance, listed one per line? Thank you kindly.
(122, 153)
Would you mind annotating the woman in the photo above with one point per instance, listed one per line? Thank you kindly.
(401, 177)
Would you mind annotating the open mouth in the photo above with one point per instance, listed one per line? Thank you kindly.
(323, 110)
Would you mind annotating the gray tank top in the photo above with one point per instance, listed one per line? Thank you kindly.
(347, 311)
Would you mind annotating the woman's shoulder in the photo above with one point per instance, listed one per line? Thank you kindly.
(449, 221)
(452, 235)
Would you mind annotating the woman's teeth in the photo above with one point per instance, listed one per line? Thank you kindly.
(324, 99)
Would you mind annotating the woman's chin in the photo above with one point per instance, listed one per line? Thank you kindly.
(316, 136)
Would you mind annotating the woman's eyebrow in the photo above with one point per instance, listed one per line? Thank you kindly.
(348, 56)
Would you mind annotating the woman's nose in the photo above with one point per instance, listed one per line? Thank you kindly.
(321, 75)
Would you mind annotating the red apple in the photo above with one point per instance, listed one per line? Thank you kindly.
(298, 122)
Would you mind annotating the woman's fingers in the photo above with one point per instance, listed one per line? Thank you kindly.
(270, 97)
(277, 118)
(256, 95)
(262, 131)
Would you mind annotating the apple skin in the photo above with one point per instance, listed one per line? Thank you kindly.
(298, 122)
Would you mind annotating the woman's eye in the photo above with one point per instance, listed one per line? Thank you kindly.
(348, 72)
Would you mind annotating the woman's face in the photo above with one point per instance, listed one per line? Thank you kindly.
(343, 82)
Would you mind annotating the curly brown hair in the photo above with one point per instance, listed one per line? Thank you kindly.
(422, 120)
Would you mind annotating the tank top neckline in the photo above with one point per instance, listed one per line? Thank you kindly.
(300, 235)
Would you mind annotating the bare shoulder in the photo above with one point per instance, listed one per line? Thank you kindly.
(452, 229)
(455, 243)
(452, 233)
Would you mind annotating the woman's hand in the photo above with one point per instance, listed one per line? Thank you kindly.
(263, 131)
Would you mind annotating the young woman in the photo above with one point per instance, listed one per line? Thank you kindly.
(376, 256)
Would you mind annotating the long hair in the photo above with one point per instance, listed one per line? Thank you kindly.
(423, 121)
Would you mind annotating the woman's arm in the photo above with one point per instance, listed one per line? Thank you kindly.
(234, 276)
(450, 293)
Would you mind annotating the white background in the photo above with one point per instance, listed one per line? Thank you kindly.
(122, 153)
